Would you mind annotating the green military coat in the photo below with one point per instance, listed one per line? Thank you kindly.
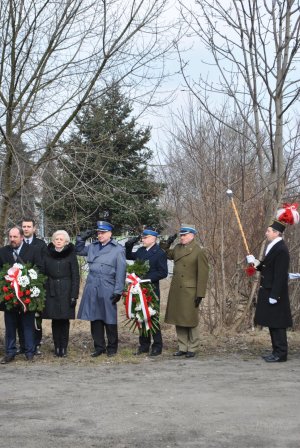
(189, 281)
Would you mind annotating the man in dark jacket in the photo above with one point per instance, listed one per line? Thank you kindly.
(17, 251)
(158, 269)
(29, 230)
(273, 305)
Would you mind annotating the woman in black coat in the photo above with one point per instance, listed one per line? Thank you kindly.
(62, 287)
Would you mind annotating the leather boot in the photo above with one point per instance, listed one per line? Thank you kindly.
(63, 352)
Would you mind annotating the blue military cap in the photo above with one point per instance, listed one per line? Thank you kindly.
(104, 226)
(150, 231)
(187, 228)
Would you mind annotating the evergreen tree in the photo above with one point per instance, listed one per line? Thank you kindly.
(103, 173)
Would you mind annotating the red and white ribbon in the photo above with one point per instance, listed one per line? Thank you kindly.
(134, 288)
(12, 276)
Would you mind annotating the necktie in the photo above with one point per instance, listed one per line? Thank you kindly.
(15, 255)
(28, 241)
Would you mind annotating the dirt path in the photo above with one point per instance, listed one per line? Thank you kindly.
(221, 402)
(226, 397)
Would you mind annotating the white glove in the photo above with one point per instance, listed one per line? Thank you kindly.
(272, 301)
(252, 260)
(293, 276)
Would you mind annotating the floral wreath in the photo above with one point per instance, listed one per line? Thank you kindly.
(22, 288)
(141, 302)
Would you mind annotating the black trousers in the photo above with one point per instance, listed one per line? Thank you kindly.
(145, 342)
(60, 333)
(279, 342)
(38, 332)
(97, 332)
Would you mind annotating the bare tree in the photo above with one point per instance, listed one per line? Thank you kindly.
(253, 46)
(53, 56)
(203, 154)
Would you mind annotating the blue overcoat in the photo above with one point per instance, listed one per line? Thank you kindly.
(107, 272)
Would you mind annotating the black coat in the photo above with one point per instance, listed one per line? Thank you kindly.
(158, 264)
(274, 283)
(28, 254)
(39, 245)
(62, 284)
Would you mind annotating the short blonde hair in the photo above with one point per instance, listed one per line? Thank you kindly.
(61, 232)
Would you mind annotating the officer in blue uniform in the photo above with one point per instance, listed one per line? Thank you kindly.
(158, 269)
(104, 286)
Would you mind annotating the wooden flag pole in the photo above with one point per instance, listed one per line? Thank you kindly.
(230, 195)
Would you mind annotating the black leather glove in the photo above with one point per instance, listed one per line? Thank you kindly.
(132, 241)
(197, 301)
(167, 243)
(115, 298)
(85, 234)
(73, 302)
(171, 239)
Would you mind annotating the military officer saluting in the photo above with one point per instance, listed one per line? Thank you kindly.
(158, 269)
(104, 286)
(188, 288)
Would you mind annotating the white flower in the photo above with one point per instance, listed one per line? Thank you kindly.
(35, 292)
(138, 308)
(136, 289)
(23, 280)
(32, 274)
(138, 318)
(18, 265)
(152, 312)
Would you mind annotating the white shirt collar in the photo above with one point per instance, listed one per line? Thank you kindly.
(18, 249)
(270, 245)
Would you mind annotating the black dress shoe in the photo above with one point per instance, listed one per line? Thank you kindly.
(179, 353)
(266, 355)
(155, 353)
(275, 358)
(190, 354)
(20, 351)
(6, 359)
(38, 350)
(111, 354)
(96, 353)
(30, 358)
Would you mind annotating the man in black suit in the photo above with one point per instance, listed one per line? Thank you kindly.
(273, 305)
(29, 229)
(17, 251)
(158, 269)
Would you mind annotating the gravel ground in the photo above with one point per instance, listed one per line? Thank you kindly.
(225, 401)
(225, 397)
